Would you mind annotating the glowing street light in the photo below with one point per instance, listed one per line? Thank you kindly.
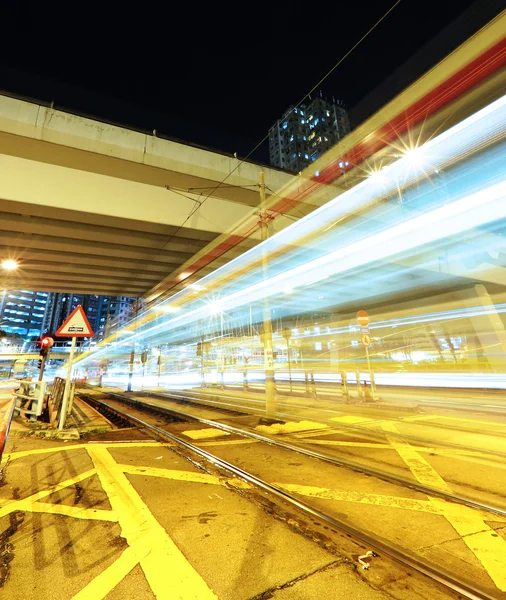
(9, 264)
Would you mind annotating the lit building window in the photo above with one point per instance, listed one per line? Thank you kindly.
(285, 125)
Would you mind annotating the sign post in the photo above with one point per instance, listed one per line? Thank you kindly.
(76, 325)
(363, 321)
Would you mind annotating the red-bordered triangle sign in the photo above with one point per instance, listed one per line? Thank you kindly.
(76, 325)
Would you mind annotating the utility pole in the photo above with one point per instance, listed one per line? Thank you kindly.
(270, 383)
(131, 362)
(287, 334)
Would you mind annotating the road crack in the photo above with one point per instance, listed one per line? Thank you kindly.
(266, 594)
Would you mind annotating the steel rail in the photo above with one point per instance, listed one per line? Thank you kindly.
(414, 485)
(345, 426)
(436, 574)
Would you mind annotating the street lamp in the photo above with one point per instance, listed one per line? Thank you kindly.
(9, 264)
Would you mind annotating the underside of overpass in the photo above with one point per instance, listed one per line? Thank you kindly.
(91, 207)
(69, 250)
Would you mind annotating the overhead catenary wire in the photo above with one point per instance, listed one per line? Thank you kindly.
(242, 160)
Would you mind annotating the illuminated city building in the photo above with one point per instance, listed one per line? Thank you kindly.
(99, 310)
(305, 132)
(22, 312)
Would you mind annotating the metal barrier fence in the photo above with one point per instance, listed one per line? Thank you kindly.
(56, 398)
(32, 397)
(5, 423)
(29, 398)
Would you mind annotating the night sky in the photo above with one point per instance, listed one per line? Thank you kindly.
(218, 76)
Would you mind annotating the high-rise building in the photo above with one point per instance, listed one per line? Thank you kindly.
(305, 132)
(60, 305)
(22, 312)
(100, 310)
(115, 312)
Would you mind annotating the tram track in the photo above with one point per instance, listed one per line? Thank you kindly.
(318, 455)
(233, 406)
(378, 544)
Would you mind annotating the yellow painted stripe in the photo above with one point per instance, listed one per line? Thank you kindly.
(25, 504)
(419, 418)
(352, 419)
(168, 572)
(145, 444)
(290, 427)
(77, 512)
(66, 448)
(171, 474)
(99, 587)
(228, 442)
(474, 421)
(349, 444)
(202, 434)
(359, 497)
(23, 453)
(488, 546)
(421, 469)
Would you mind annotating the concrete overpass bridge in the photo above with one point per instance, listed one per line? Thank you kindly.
(90, 207)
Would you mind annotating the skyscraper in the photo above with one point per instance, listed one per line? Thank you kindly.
(100, 310)
(22, 312)
(115, 312)
(305, 132)
(60, 305)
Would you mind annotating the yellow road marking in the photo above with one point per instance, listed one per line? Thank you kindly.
(361, 498)
(420, 418)
(229, 442)
(171, 474)
(26, 504)
(202, 434)
(110, 577)
(22, 453)
(488, 547)
(352, 419)
(290, 427)
(481, 539)
(77, 512)
(159, 557)
(475, 422)
(349, 444)
(421, 469)
(436, 418)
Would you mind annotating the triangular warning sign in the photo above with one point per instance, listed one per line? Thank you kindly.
(76, 325)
